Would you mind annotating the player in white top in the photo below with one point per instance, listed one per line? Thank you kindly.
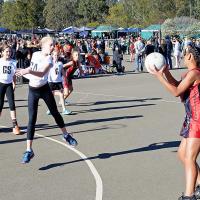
(41, 63)
(55, 79)
(177, 53)
(7, 84)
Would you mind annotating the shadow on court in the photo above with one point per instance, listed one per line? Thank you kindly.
(40, 127)
(52, 127)
(23, 106)
(126, 101)
(18, 100)
(113, 108)
(116, 101)
(91, 121)
(151, 147)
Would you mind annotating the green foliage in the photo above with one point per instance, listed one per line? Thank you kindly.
(92, 10)
(117, 16)
(180, 25)
(7, 15)
(61, 13)
(194, 28)
(58, 14)
(93, 24)
(22, 14)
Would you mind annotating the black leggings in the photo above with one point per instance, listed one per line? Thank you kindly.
(34, 95)
(8, 90)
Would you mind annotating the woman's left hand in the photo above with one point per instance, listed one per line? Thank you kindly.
(21, 72)
(154, 70)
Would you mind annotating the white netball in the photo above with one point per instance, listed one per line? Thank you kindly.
(154, 59)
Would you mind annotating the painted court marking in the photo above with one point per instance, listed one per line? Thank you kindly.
(98, 180)
(99, 184)
(3, 126)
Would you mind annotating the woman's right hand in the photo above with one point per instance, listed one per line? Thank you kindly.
(20, 72)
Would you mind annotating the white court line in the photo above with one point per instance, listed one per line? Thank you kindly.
(99, 184)
(3, 126)
(116, 96)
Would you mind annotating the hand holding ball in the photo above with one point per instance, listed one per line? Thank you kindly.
(154, 60)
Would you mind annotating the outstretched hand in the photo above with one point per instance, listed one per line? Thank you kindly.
(154, 70)
(20, 72)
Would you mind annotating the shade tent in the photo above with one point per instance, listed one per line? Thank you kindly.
(84, 28)
(47, 30)
(5, 30)
(71, 30)
(148, 32)
(103, 29)
(129, 30)
(152, 28)
(36, 31)
(83, 34)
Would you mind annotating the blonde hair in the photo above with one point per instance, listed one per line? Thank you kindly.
(4, 47)
(45, 40)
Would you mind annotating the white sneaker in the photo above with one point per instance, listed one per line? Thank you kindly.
(66, 112)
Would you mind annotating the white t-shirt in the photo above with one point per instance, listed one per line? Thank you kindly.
(138, 46)
(7, 70)
(55, 73)
(38, 63)
(177, 49)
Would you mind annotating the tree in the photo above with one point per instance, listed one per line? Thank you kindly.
(35, 13)
(118, 16)
(179, 25)
(92, 10)
(22, 14)
(145, 12)
(7, 15)
(60, 13)
(111, 2)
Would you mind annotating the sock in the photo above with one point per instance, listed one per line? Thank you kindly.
(14, 121)
(28, 149)
(65, 134)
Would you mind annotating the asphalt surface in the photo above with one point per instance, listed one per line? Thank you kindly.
(127, 127)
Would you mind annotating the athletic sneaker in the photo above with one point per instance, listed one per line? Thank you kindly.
(197, 192)
(187, 198)
(68, 138)
(48, 112)
(28, 155)
(66, 112)
(16, 130)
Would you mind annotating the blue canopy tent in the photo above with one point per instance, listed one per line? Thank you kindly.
(36, 31)
(129, 30)
(30, 31)
(71, 30)
(83, 34)
(84, 28)
(84, 31)
(25, 31)
(5, 30)
(46, 30)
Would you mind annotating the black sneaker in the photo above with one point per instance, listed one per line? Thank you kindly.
(197, 192)
(68, 138)
(187, 198)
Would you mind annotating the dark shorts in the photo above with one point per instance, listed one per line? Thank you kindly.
(56, 86)
(68, 82)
